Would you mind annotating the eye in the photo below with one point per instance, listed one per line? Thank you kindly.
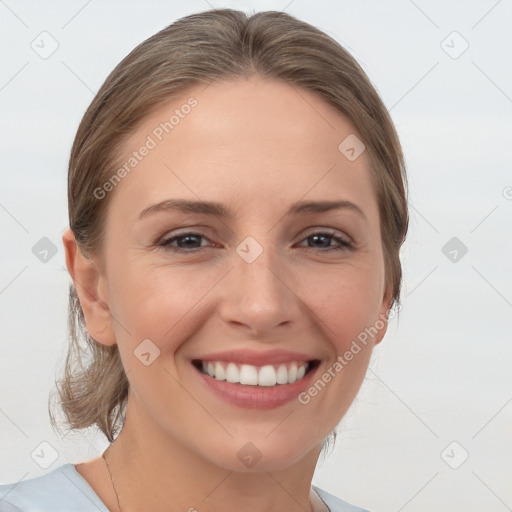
(324, 239)
(186, 242)
(190, 242)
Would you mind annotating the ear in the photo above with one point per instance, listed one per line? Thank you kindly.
(91, 289)
(382, 320)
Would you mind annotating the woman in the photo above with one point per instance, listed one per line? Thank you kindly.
(237, 205)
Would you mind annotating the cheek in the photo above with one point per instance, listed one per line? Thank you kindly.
(345, 303)
(158, 302)
(345, 300)
(162, 305)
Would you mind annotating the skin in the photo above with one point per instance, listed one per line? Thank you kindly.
(257, 146)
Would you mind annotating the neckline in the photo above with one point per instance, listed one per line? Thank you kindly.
(72, 472)
(84, 483)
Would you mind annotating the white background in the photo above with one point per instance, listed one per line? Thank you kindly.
(443, 372)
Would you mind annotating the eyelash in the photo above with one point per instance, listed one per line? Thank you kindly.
(344, 244)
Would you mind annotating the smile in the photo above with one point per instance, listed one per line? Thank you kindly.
(256, 387)
(251, 375)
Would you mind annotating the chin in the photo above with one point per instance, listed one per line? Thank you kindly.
(262, 453)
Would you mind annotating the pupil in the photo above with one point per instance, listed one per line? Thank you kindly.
(327, 239)
(189, 239)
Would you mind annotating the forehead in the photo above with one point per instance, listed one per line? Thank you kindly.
(254, 141)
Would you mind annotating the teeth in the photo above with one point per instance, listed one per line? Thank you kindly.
(282, 375)
(219, 372)
(250, 375)
(267, 376)
(232, 373)
(292, 373)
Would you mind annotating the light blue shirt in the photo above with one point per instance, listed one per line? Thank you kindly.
(64, 490)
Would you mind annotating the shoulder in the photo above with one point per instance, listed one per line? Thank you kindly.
(60, 490)
(336, 504)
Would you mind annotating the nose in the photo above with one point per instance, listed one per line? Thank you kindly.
(259, 296)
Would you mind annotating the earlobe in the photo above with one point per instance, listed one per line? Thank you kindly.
(89, 284)
(382, 321)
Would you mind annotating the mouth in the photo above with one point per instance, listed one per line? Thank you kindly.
(248, 386)
(251, 375)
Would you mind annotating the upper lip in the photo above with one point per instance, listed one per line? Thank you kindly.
(256, 357)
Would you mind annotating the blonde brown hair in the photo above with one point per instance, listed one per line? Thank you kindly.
(212, 45)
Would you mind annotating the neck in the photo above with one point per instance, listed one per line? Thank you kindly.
(152, 471)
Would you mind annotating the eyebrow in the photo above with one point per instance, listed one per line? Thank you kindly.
(220, 210)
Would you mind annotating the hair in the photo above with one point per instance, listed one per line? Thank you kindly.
(219, 44)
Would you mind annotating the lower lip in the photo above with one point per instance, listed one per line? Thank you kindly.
(256, 397)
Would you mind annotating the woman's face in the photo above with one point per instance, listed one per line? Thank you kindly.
(261, 286)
